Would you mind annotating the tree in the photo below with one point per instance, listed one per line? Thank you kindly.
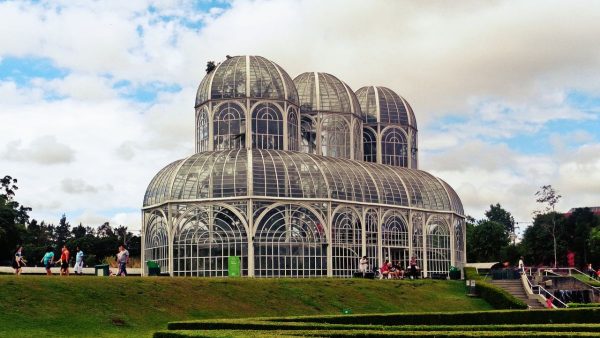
(538, 242)
(578, 226)
(13, 218)
(500, 215)
(63, 231)
(594, 243)
(548, 197)
(488, 241)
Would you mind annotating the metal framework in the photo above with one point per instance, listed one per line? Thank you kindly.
(278, 179)
(390, 128)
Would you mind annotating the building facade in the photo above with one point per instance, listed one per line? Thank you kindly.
(281, 180)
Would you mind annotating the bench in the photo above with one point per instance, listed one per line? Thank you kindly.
(369, 275)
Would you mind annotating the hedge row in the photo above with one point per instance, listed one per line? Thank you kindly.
(495, 296)
(498, 297)
(584, 315)
(262, 326)
(583, 305)
(367, 333)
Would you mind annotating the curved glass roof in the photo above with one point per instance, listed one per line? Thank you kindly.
(247, 76)
(325, 93)
(287, 174)
(383, 105)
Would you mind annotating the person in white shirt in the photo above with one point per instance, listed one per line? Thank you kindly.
(122, 259)
(521, 265)
(78, 262)
(363, 265)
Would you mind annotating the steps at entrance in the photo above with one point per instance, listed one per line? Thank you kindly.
(515, 288)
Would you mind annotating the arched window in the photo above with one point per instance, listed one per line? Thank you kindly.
(308, 132)
(290, 242)
(418, 249)
(267, 127)
(370, 145)
(205, 238)
(346, 240)
(438, 246)
(335, 137)
(229, 127)
(394, 238)
(292, 130)
(156, 240)
(202, 130)
(394, 148)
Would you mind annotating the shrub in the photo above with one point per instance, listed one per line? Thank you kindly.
(497, 297)
(584, 315)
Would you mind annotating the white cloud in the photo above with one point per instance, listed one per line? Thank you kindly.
(504, 67)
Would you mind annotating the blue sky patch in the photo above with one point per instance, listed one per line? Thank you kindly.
(22, 70)
(146, 92)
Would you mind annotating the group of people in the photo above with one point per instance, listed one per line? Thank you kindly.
(392, 270)
(593, 273)
(48, 261)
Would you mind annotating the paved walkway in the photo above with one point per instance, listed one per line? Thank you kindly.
(56, 270)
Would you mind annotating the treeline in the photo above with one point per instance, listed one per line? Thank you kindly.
(16, 228)
(489, 239)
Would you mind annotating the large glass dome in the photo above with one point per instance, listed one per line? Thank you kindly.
(279, 182)
(285, 174)
(390, 133)
(383, 105)
(247, 76)
(324, 92)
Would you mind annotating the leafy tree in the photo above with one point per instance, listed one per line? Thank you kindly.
(488, 240)
(594, 244)
(539, 244)
(579, 225)
(13, 218)
(500, 215)
(63, 231)
(548, 197)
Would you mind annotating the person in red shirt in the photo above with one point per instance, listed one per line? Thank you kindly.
(64, 261)
(385, 269)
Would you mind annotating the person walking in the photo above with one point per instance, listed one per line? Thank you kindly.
(122, 259)
(64, 261)
(48, 260)
(521, 265)
(18, 261)
(78, 268)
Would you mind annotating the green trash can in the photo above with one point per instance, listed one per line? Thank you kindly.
(454, 273)
(153, 268)
(102, 270)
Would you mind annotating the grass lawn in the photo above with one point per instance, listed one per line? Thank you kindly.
(40, 306)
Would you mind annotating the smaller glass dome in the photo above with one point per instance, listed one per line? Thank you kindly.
(247, 76)
(324, 92)
(383, 105)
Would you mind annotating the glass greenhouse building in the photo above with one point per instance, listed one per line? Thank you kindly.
(299, 178)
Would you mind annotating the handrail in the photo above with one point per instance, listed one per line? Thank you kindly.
(541, 289)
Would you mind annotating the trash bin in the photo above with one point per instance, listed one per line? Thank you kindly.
(153, 268)
(102, 270)
(454, 273)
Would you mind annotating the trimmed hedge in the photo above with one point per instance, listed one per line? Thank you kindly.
(367, 333)
(498, 297)
(583, 305)
(495, 296)
(585, 315)
(262, 326)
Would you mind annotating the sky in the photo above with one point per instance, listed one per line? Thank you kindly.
(97, 96)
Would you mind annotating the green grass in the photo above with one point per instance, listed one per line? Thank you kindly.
(40, 306)
(587, 279)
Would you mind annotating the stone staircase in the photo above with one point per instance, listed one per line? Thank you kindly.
(515, 288)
